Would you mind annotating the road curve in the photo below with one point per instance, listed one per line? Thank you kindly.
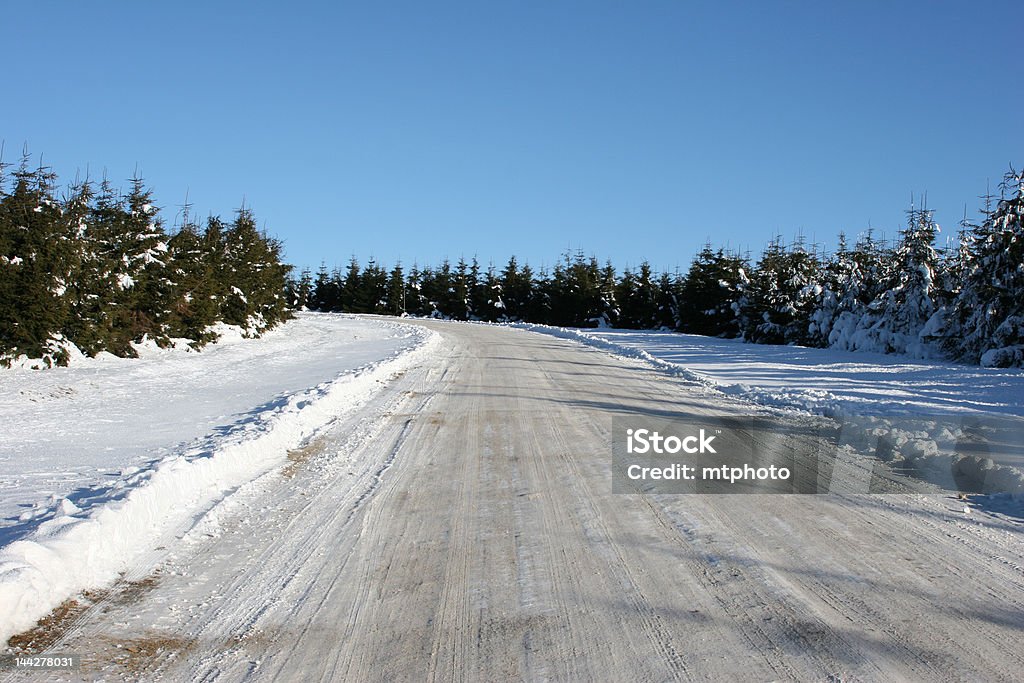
(462, 527)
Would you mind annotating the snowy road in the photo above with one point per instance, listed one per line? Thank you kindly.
(461, 526)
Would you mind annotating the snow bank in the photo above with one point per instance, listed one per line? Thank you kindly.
(74, 550)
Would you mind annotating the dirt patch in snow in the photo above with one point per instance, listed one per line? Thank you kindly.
(49, 629)
(298, 456)
(135, 655)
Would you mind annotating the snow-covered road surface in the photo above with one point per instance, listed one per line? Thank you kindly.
(461, 526)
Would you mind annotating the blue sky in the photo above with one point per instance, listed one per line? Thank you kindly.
(424, 130)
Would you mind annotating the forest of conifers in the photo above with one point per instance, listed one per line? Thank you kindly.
(97, 268)
(963, 302)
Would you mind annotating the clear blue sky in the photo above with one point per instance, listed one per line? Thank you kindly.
(632, 130)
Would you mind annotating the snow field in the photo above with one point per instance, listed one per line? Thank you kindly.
(940, 420)
(75, 550)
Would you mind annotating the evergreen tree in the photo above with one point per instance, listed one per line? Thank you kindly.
(350, 298)
(193, 292)
(415, 301)
(667, 313)
(396, 292)
(987, 317)
(464, 283)
(783, 290)
(254, 275)
(711, 294)
(440, 292)
(36, 262)
(896, 319)
(301, 291)
(609, 307)
(517, 291)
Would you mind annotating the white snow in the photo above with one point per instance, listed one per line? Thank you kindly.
(822, 381)
(102, 458)
(923, 415)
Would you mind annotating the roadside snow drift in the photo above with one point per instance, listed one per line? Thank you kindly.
(73, 549)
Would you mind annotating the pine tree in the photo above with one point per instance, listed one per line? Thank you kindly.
(988, 313)
(859, 278)
(517, 291)
(36, 260)
(396, 291)
(192, 297)
(350, 295)
(711, 293)
(464, 283)
(304, 290)
(783, 291)
(254, 275)
(897, 318)
(609, 307)
(415, 301)
(372, 295)
(669, 294)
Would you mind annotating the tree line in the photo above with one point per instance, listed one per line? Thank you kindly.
(96, 267)
(964, 301)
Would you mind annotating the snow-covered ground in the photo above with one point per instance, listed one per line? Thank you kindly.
(101, 458)
(955, 425)
(823, 381)
(67, 430)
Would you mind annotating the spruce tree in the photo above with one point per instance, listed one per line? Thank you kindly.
(988, 314)
(193, 293)
(395, 291)
(896, 318)
(37, 262)
(711, 294)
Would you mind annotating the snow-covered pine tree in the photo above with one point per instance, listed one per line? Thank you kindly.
(254, 275)
(609, 316)
(784, 290)
(463, 285)
(440, 291)
(488, 303)
(37, 262)
(626, 294)
(835, 273)
(83, 298)
(302, 291)
(321, 298)
(896, 319)
(193, 286)
(988, 313)
(711, 293)
(858, 278)
(415, 302)
(146, 250)
(539, 305)
(479, 308)
(515, 291)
